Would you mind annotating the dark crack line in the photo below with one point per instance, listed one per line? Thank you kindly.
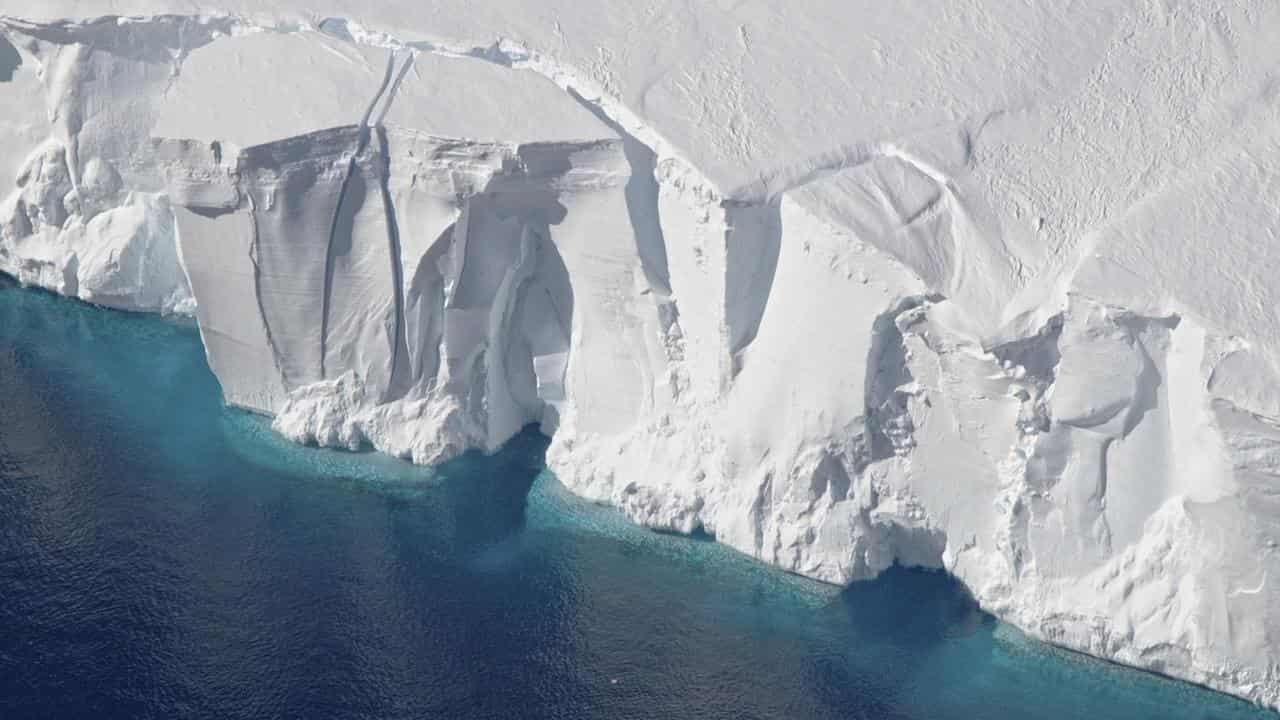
(394, 90)
(325, 301)
(399, 347)
(257, 290)
(361, 143)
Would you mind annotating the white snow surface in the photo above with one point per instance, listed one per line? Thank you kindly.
(989, 287)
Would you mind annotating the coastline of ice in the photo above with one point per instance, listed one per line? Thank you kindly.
(1015, 320)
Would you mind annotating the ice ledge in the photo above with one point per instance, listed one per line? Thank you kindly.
(898, 379)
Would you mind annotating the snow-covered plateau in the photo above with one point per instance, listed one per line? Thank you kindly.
(991, 287)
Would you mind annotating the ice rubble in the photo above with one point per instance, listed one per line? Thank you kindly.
(989, 289)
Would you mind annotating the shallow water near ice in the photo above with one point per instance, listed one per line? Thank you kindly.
(164, 556)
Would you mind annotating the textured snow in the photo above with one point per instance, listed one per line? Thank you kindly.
(981, 287)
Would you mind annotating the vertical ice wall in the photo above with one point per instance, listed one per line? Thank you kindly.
(409, 276)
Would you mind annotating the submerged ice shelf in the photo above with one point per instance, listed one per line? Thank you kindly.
(988, 291)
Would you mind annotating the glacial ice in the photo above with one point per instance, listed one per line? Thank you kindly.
(984, 288)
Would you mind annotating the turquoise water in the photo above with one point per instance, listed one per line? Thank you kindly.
(163, 556)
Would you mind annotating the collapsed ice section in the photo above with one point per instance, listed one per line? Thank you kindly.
(387, 286)
(1029, 337)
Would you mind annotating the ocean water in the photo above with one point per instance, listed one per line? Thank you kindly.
(162, 556)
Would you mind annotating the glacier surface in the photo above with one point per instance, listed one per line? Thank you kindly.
(988, 288)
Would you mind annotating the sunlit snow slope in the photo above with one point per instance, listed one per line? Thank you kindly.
(983, 286)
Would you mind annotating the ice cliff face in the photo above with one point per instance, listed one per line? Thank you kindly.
(984, 289)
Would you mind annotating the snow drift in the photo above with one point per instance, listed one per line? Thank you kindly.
(987, 290)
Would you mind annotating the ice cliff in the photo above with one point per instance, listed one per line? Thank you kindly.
(986, 287)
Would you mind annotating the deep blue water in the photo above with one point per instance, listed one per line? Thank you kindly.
(164, 557)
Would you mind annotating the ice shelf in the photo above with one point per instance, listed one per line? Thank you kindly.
(988, 288)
